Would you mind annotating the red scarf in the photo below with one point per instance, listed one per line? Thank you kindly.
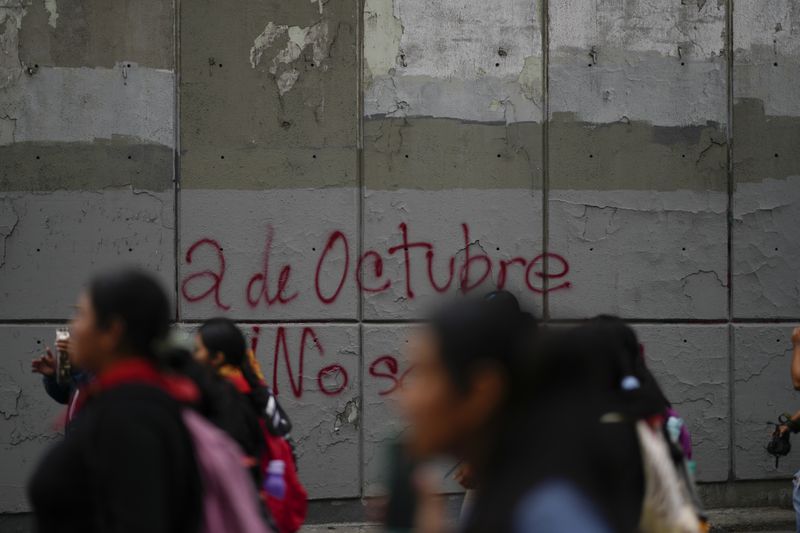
(139, 371)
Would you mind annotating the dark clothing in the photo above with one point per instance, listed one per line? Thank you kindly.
(222, 404)
(127, 465)
(62, 392)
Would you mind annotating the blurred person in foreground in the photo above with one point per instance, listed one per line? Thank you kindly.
(468, 396)
(127, 463)
(62, 392)
(551, 429)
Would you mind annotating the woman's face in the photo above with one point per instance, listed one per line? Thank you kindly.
(201, 354)
(441, 417)
(93, 348)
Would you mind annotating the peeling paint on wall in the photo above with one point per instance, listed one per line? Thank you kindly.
(298, 38)
(382, 34)
(52, 9)
(264, 41)
(10, 23)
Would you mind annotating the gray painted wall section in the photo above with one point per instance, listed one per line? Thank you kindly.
(575, 152)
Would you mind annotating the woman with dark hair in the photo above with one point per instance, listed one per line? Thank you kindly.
(128, 462)
(473, 394)
(220, 344)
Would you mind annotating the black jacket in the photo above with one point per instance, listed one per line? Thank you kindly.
(127, 465)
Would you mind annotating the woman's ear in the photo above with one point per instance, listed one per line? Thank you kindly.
(112, 336)
(218, 360)
(488, 391)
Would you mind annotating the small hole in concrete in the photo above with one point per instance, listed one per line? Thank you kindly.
(684, 249)
(589, 65)
(37, 157)
(130, 249)
(684, 340)
(312, 64)
(314, 156)
(221, 249)
(498, 248)
(406, 156)
(776, 154)
(776, 248)
(220, 65)
(683, 63)
(129, 157)
(683, 155)
(497, 64)
(38, 342)
(313, 249)
(777, 340)
(591, 156)
(38, 249)
(498, 155)
(775, 64)
(222, 157)
(591, 249)
(36, 66)
(129, 65)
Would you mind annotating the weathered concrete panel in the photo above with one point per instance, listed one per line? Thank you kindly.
(661, 62)
(315, 371)
(84, 104)
(50, 243)
(86, 158)
(238, 248)
(468, 60)
(445, 154)
(637, 164)
(385, 364)
(762, 391)
(425, 243)
(385, 361)
(28, 417)
(640, 254)
(268, 94)
(452, 152)
(691, 365)
(766, 120)
(98, 33)
(54, 166)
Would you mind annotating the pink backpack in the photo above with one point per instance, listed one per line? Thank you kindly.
(230, 502)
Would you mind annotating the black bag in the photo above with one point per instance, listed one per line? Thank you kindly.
(779, 445)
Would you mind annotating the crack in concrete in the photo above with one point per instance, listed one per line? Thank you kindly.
(759, 371)
(11, 411)
(350, 414)
(6, 234)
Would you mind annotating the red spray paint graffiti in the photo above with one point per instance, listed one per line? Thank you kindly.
(333, 273)
(289, 356)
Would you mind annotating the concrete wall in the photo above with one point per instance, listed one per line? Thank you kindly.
(322, 170)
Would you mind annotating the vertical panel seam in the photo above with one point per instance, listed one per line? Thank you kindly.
(729, 6)
(176, 170)
(360, 228)
(545, 33)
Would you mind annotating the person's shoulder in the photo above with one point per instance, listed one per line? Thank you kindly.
(136, 401)
(558, 506)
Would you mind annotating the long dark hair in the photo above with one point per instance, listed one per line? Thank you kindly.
(492, 330)
(222, 335)
(138, 301)
(577, 376)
